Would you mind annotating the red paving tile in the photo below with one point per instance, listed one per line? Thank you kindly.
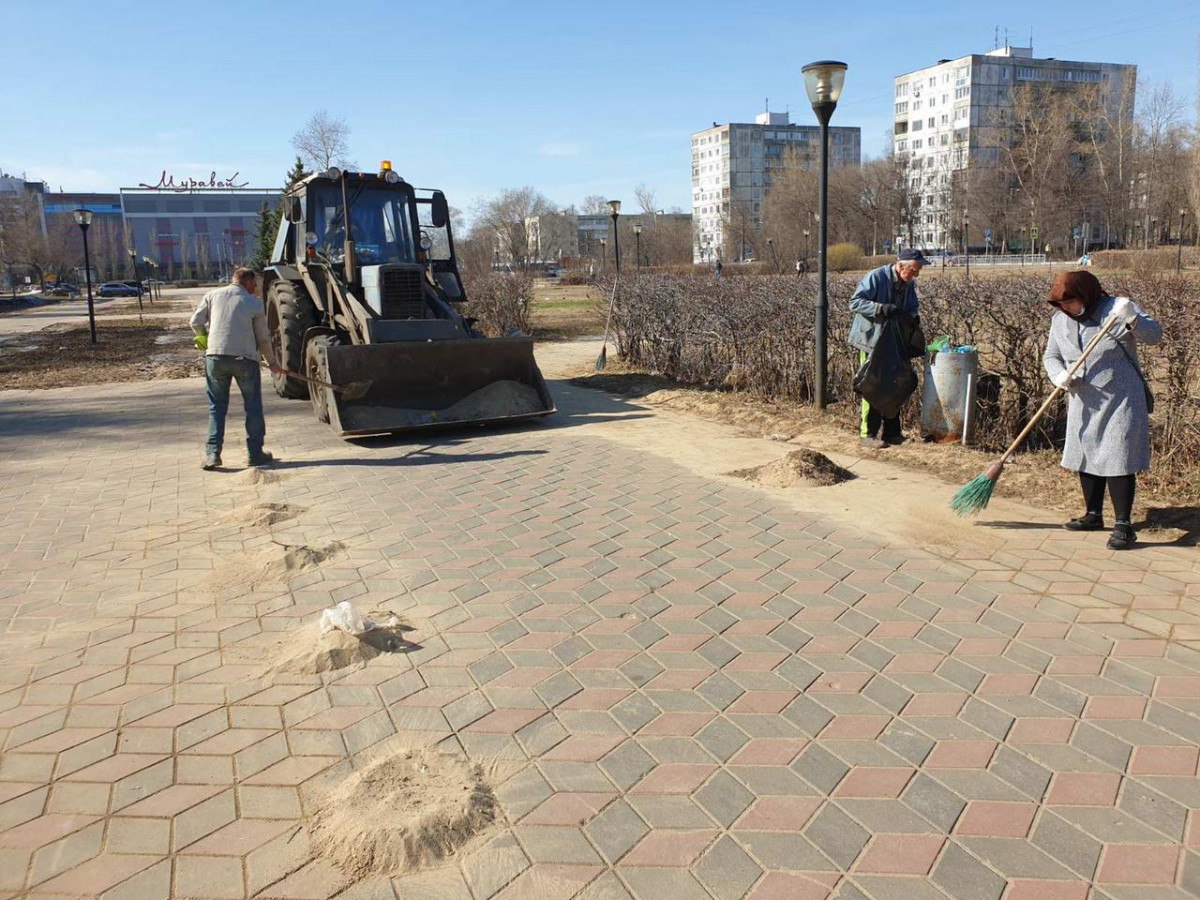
(984, 818)
(900, 854)
(1137, 864)
(1083, 789)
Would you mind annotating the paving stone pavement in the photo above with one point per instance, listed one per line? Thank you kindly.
(694, 689)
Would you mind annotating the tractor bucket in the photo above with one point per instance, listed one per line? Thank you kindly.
(414, 385)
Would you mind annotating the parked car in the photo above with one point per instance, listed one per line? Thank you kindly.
(116, 289)
(62, 289)
(152, 282)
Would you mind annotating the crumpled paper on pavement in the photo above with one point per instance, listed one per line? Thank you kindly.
(344, 617)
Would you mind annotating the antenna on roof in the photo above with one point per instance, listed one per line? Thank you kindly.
(767, 104)
(1031, 40)
(996, 38)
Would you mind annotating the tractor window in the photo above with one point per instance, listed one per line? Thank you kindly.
(380, 222)
(440, 251)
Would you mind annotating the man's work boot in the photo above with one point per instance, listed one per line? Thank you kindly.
(872, 443)
(260, 459)
(893, 440)
(211, 461)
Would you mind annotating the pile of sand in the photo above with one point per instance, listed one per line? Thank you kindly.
(799, 465)
(308, 652)
(277, 563)
(496, 400)
(402, 812)
(263, 515)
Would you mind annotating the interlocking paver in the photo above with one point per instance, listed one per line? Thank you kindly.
(674, 654)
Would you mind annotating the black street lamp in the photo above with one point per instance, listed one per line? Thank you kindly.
(136, 276)
(603, 254)
(637, 233)
(806, 250)
(615, 206)
(967, 242)
(774, 258)
(823, 80)
(1179, 250)
(83, 218)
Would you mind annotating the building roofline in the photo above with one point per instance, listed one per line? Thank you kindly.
(1019, 59)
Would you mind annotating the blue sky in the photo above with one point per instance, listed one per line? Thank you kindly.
(474, 97)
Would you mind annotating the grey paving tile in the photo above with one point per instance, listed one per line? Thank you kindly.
(840, 837)
(724, 798)
(962, 876)
(726, 870)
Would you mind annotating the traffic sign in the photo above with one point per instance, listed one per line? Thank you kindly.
(987, 234)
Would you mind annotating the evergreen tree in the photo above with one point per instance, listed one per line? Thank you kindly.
(297, 173)
(269, 217)
(268, 227)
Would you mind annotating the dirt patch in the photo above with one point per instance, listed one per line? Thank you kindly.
(1035, 478)
(64, 356)
(278, 563)
(401, 813)
(308, 652)
(263, 515)
(799, 465)
(561, 312)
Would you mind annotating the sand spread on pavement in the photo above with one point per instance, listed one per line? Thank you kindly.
(308, 652)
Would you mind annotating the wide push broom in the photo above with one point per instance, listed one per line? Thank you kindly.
(602, 359)
(974, 496)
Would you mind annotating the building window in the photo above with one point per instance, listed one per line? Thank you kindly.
(933, 81)
(932, 102)
(962, 93)
(901, 108)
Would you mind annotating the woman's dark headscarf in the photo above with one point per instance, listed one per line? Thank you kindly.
(1081, 285)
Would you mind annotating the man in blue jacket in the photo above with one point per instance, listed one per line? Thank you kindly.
(883, 293)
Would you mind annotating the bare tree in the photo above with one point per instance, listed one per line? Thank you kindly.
(503, 217)
(324, 141)
(644, 194)
(594, 205)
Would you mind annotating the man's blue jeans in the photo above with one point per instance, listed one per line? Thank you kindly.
(219, 372)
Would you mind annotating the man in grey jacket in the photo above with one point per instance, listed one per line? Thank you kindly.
(231, 327)
(883, 293)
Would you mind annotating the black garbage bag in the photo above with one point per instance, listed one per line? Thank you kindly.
(887, 378)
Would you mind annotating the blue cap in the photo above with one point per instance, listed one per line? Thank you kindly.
(911, 254)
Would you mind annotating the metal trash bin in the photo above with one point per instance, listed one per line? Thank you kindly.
(948, 397)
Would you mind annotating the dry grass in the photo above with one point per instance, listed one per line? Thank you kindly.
(63, 355)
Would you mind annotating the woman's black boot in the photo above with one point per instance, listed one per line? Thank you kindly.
(1122, 537)
(1087, 522)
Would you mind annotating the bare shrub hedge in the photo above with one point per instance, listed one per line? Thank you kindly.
(500, 302)
(754, 334)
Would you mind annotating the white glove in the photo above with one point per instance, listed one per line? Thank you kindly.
(1063, 380)
(1124, 310)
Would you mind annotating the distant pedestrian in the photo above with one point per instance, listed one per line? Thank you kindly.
(1108, 400)
(883, 293)
(719, 268)
(231, 327)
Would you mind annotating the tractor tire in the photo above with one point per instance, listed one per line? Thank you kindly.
(290, 313)
(317, 395)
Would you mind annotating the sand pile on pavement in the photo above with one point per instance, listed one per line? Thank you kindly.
(309, 652)
(263, 515)
(277, 563)
(404, 811)
(799, 465)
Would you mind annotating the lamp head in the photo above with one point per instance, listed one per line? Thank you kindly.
(83, 217)
(615, 206)
(823, 80)
(637, 229)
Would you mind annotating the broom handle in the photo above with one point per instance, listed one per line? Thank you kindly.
(611, 303)
(1012, 448)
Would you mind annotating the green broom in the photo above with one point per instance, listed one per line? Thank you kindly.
(974, 495)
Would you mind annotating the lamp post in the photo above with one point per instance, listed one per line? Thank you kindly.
(823, 81)
(1022, 245)
(806, 250)
(967, 242)
(615, 206)
(603, 254)
(136, 276)
(774, 258)
(1179, 249)
(1153, 232)
(637, 233)
(83, 218)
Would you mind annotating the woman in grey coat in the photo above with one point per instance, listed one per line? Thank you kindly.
(1108, 423)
